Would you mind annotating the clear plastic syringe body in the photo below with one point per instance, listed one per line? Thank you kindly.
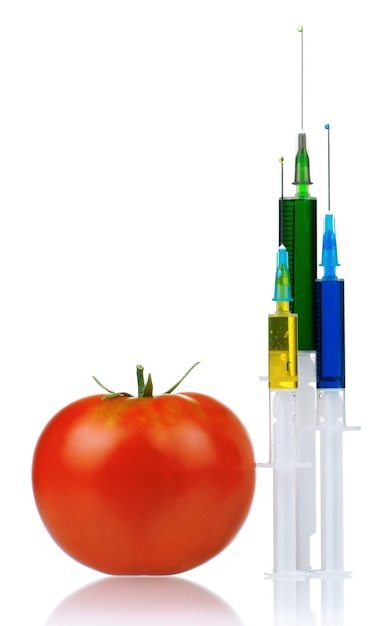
(282, 377)
(283, 460)
(331, 419)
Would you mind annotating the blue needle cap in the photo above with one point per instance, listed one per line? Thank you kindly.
(329, 255)
(282, 281)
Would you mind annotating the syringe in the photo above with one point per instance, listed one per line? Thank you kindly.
(282, 378)
(331, 399)
(298, 232)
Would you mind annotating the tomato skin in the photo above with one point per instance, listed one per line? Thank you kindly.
(144, 485)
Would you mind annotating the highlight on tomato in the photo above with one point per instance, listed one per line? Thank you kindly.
(149, 484)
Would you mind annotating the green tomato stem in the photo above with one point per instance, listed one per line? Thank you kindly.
(140, 380)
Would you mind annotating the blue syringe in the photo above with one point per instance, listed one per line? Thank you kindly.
(330, 366)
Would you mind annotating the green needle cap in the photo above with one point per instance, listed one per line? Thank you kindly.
(302, 173)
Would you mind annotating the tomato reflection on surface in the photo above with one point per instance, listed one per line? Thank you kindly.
(147, 601)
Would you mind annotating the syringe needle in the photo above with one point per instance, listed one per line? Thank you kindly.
(329, 167)
(301, 31)
(281, 160)
(281, 204)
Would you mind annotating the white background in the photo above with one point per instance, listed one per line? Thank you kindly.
(139, 185)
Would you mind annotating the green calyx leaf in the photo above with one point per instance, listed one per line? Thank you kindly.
(181, 379)
(145, 388)
(111, 394)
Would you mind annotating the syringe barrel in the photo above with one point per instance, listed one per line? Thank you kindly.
(331, 423)
(330, 338)
(282, 413)
(298, 233)
(306, 454)
(282, 351)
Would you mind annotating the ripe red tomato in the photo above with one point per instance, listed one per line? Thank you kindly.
(147, 485)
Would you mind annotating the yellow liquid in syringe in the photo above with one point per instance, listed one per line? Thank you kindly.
(282, 348)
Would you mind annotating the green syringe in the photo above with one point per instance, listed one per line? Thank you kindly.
(298, 233)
